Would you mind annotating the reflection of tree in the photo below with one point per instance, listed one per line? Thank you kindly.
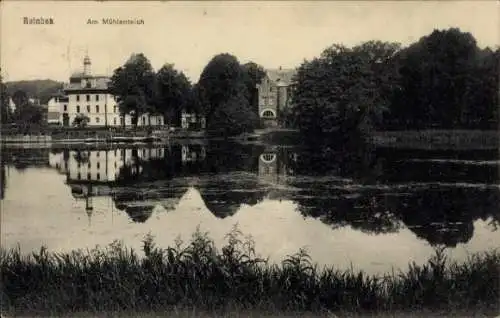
(227, 157)
(429, 166)
(3, 182)
(82, 156)
(344, 189)
(139, 213)
(137, 203)
(338, 208)
(223, 195)
(22, 158)
(354, 160)
(446, 216)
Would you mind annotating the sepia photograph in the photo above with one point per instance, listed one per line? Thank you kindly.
(250, 158)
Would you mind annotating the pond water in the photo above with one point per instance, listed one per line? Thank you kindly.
(369, 209)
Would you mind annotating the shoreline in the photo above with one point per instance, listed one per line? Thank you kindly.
(402, 139)
(197, 276)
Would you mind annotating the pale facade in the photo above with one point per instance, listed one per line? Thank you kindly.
(88, 95)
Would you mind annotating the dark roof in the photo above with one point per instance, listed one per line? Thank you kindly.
(101, 84)
(281, 77)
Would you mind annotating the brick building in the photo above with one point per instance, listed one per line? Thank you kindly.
(274, 95)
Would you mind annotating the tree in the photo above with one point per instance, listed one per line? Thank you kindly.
(383, 80)
(41, 89)
(173, 93)
(6, 112)
(343, 92)
(26, 113)
(482, 104)
(437, 75)
(254, 74)
(231, 118)
(80, 121)
(20, 100)
(223, 96)
(133, 84)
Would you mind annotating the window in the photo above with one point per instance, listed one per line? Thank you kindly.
(88, 98)
(65, 108)
(268, 114)
(88, 108)
(90, 165)
(96, 98)
(77, 98)
(159, 121)
(268, 157)
(88, 176)
(114, 109)
(77, 108)
(98, 176)
(114, 123)
(98, 165)
(97, 108)
(97, 119)
(79, 176)
(97, 154)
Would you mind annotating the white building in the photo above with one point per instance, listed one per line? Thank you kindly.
(12, 106)
(88, 95)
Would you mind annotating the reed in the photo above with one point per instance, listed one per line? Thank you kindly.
(197, 276)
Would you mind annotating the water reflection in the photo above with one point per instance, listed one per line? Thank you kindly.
(437, 196)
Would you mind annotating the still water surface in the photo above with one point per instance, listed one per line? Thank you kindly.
(373, 209)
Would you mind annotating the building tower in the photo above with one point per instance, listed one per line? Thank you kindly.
(86, 65)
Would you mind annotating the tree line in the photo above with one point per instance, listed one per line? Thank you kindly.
(25, 111)
(225, 94)
(444, 81)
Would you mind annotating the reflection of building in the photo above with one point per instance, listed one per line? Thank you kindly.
(193, 153)
(274, 94)
(100, 166)
(93, 173)
(192, 121)
(88, 95)
(272, 166)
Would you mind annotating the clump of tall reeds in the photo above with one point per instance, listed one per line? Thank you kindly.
(198, 275)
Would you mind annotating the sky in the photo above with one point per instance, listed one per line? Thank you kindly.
(189, 34)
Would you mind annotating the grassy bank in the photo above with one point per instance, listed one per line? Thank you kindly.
(198, 278)
(438, 139)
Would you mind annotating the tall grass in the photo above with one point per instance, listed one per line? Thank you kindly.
(198, 275)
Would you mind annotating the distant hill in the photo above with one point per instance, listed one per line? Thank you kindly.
(41, 89)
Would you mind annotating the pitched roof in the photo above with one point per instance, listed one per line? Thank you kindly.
(101, 83)
(282, 77)
(80, 74)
